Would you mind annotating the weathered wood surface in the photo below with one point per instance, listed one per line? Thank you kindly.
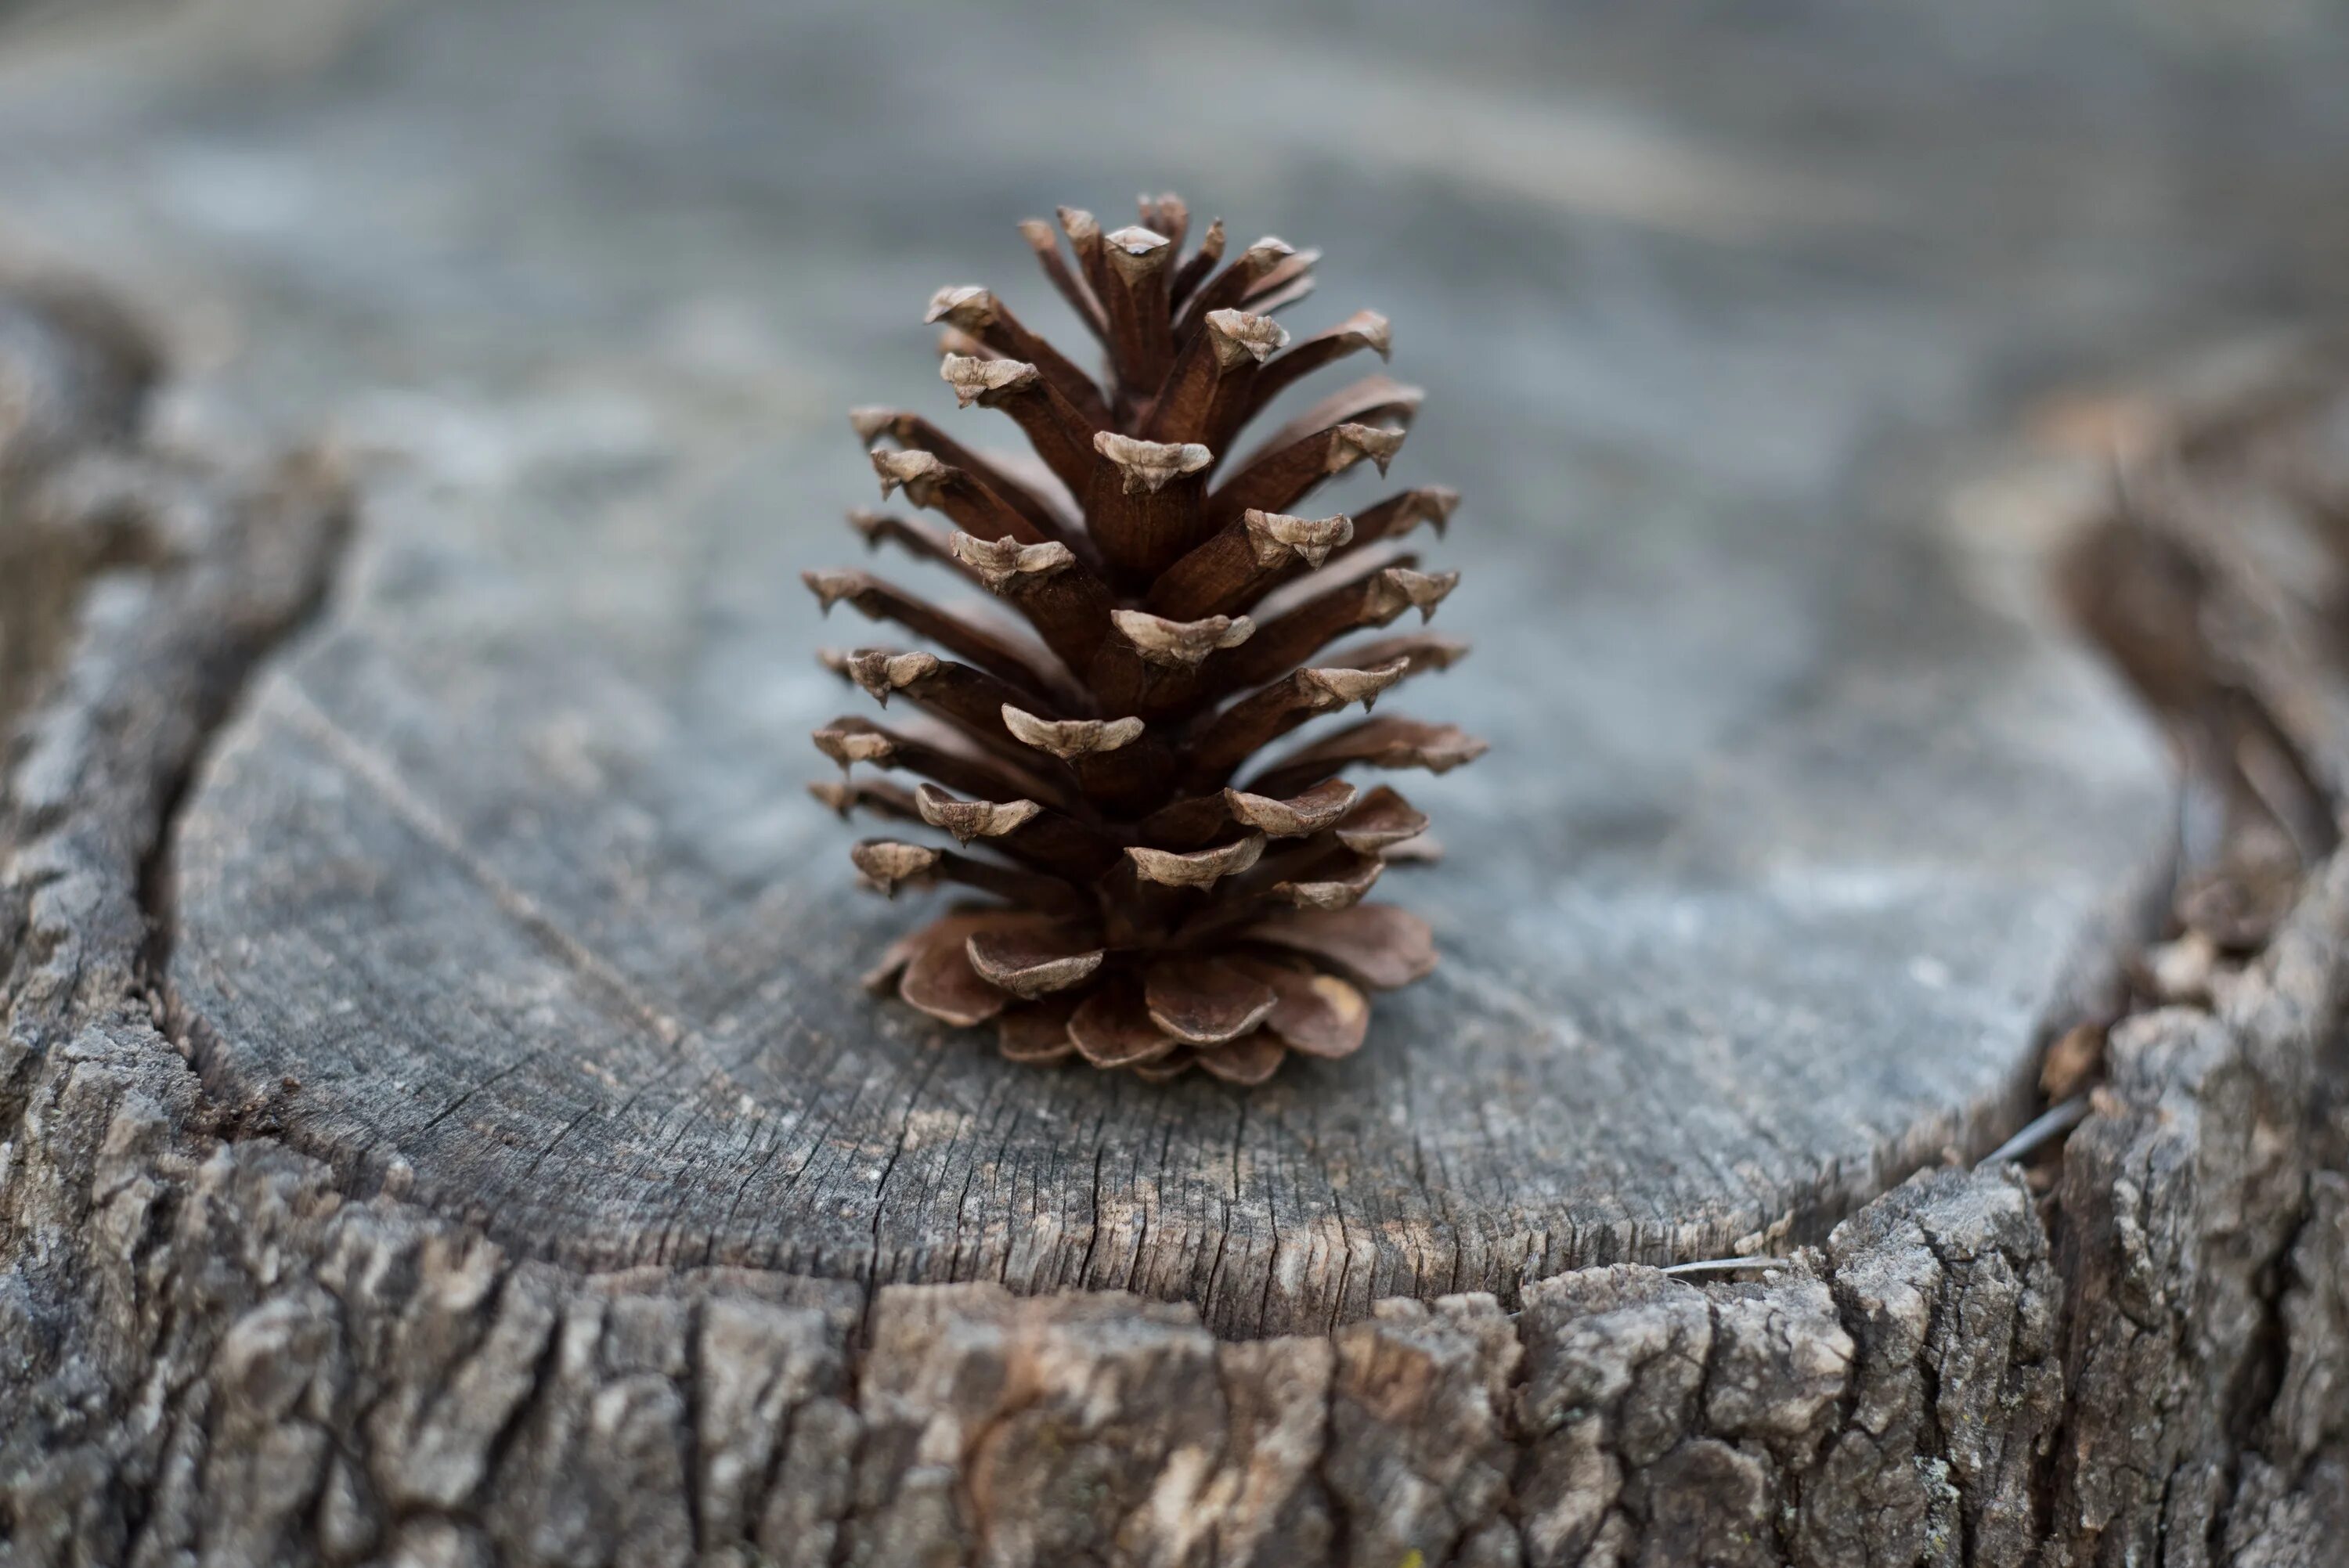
(254, 1311)
(1802, 825)
(212, 1352)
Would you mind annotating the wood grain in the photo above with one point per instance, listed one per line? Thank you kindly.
(210, 1351)
(1794, 840)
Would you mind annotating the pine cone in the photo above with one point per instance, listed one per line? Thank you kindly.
(1148, 912)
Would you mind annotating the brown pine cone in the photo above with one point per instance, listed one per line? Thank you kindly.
(1145, 911)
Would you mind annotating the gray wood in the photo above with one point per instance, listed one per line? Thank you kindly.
(212, 1352)
(1802, 825)
(518, 801)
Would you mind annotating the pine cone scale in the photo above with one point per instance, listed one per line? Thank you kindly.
(1142, 911)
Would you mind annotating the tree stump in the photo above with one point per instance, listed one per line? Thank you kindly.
(438, 1121)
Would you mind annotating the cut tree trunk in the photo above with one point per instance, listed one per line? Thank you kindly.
(438, 1124)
